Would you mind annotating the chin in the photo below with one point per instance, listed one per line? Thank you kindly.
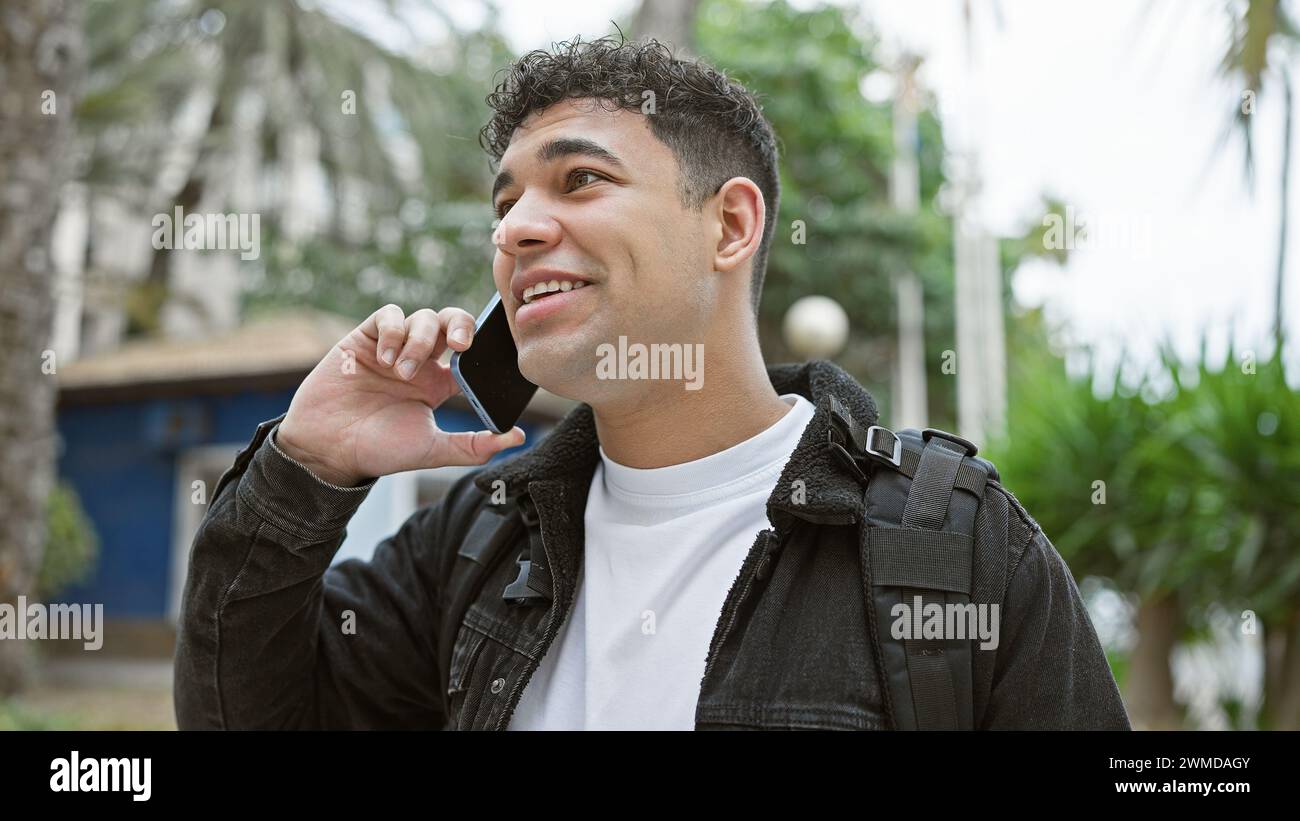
(556, 365)
(562, 359)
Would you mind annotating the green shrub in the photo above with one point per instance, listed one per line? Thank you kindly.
(71, 546)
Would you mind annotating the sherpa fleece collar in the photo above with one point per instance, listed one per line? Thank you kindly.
(570, 451)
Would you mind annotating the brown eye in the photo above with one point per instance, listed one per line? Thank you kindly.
(584, 172)
(505, 206)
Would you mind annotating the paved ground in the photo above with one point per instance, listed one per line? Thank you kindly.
(100, 694)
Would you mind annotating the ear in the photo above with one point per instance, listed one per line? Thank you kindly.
(739, 210)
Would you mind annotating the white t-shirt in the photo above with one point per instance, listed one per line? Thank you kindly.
(663, 547)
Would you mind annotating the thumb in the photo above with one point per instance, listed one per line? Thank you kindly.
(473, 447)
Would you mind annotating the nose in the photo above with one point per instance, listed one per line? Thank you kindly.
(526, 225)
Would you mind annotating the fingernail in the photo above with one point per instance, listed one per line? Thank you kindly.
(459, 336)
(388, 356)
(406, 368)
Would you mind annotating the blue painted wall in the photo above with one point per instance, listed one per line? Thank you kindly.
(122, 459)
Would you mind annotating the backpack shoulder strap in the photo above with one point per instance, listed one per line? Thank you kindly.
(918, 556)
(493, 529)
(917, 541)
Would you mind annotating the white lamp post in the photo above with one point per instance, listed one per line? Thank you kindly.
(816, 327)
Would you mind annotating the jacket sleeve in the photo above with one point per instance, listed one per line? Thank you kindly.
(272, 637)
(1051, 672)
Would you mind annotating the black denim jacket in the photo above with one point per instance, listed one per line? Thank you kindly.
(271, 636)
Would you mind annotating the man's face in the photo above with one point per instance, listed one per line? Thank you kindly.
(593, 193)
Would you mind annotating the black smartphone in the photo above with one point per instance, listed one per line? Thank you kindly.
(488, 373)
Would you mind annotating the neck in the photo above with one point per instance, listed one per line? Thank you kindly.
(666, 424)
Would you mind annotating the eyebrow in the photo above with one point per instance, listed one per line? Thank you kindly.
(557, 148)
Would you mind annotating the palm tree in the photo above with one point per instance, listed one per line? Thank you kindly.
(1263, 37)
(1084, 465)
(41, 56)
(1262, 34)
(303, 70)
(128, 70)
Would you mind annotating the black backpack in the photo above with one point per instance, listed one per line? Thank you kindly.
(917, 541)
(918, 545)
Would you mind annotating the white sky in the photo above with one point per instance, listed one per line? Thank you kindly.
(1115, 107)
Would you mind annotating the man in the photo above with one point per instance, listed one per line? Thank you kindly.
(645, 565)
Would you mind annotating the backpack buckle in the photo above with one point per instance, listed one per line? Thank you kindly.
(846, 459)
(524, 589)
(843, 423)
(518, 591)
(881, 435)
(970, 447)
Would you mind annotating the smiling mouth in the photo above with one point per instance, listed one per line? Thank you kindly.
(544, 289)
(541, 306)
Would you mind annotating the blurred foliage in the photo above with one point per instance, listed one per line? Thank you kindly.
(71, 546)
(1200, 465)
(179, 91)
(1261, 44)
(88, 708)
(426, 256)
(807, 68)
(426, 239)
(16, 717)
(1260, 36)
(1201, 472)
(1238, 423)
(1118, 662)
(286, 64)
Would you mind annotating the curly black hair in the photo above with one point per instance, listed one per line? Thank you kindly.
(713, 125)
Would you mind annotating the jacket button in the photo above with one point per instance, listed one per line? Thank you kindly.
(498, 685)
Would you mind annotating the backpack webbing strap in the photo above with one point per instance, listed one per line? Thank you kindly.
(934, 696)
(932, 484)
(533, 584)
(921, 558)
(495, 528)
(919, 544)
(972, 473)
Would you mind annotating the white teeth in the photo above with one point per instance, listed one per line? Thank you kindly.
(548, 287)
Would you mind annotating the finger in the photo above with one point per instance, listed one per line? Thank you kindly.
(370, 327)
(388, 326)
(472, 448)
(458, 330)
(422, 332)
(436, 383)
